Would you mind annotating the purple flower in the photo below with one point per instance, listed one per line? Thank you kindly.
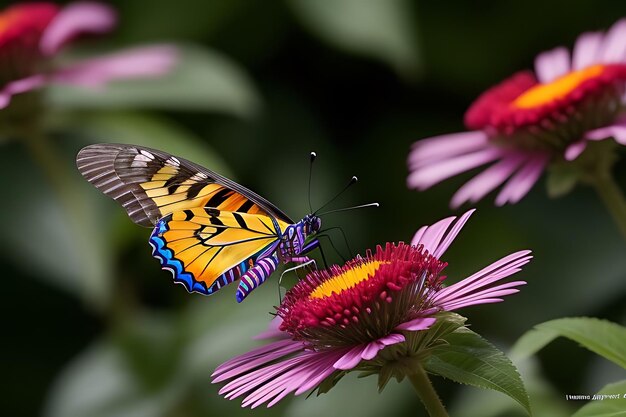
(352, 317)
(33, 34)
(531, 120)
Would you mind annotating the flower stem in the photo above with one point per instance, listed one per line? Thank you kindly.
(79, 217)
(612, 197)
(427, 393)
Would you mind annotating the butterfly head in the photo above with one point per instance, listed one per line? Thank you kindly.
(312, 224)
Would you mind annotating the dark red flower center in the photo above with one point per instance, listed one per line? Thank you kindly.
(576, 102)
(363, 300)
(21, 28)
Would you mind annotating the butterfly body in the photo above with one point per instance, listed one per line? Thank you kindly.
(208, 230)
(290, 246)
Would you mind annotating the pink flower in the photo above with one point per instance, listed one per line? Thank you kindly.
(33, 34)
(531, 120)
(343, 318)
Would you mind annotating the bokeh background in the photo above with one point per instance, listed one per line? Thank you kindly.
(93, 327)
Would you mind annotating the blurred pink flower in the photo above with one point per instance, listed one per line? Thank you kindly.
(32, 34)
(333, 320)
(531, 120)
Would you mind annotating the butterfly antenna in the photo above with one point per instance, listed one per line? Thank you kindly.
(324, 233)
(352, 181)
(313, 156)
(350, 208)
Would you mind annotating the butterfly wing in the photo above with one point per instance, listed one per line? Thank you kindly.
(151, 184)
(206, 248)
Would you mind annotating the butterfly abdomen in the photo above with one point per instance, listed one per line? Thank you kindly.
(229, 276)
(256, 276)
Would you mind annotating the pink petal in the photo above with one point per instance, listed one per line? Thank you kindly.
(552, 64)
(434, 241)
(486, 181)
(617, 132)
(251, 380)
(452, 234)
(488, 294)
(418, 235)
(614, 45)
(315, 370)
(351, 358)
(496, 271)
(521, 183)
(141, 62)
(497, 291)
(325, 370)
(432, 235)
(371, 350)
(391, 339)
(574, 150)
(366, 351)
(427, 151)
(464, 304)
(241, 368)
(75, 19)
(420, 323)
(277, 388)
(479, 285)
(587, 50)
(20, 86)
(275, 381)
(282, 347)
(423, 178)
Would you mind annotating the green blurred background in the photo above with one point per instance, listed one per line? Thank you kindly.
(93, 327)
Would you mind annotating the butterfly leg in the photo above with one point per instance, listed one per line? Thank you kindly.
(256, 276)
(332, 244)
(343, 235)
(323, 256)
(314, 244)
(301, 265)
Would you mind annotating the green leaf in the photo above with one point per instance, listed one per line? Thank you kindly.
(470, 359)
(545, 400)
(561, 179)
(202, 80)
(603, 337)
(379, 29)
(611, 404)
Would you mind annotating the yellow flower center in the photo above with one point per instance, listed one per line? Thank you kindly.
(557, 89)
(347, 279)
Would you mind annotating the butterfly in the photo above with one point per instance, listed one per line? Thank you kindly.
(208, 231)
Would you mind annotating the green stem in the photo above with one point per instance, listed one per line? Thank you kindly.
(427, 393)
(55, 170)
(612, 197)
(78, 214)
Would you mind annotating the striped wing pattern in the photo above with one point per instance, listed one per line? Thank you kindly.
(208, 230)
(207, 249)
(150, 184)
